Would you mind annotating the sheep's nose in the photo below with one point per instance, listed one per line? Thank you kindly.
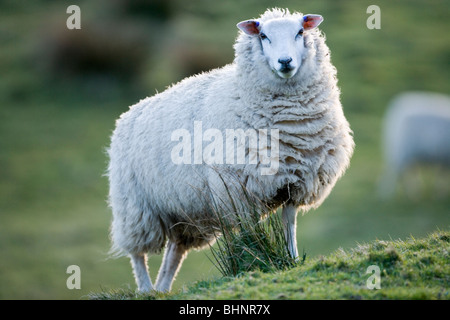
(285, 62)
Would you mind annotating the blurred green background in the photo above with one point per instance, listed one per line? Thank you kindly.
(61, 91)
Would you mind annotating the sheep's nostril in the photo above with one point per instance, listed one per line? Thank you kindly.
(285, 62)
(286, 66)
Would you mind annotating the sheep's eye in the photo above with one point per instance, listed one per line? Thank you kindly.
(300, 33)
(263, 36)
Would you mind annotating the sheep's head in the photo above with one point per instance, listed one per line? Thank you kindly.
(282, 40)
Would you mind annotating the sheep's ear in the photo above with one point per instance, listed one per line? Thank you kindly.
(311, 21)
(250, 27)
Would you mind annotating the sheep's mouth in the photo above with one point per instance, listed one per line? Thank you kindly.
(286, 72)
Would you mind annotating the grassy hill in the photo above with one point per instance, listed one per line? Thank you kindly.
(409, 269)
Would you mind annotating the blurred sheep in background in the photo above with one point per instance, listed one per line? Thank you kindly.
(416, 132)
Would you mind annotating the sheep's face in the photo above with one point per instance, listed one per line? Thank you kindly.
(282, 41)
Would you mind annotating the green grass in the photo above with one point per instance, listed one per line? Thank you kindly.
(409, 269)
(248, 239)
(54, 129)
(252, 245)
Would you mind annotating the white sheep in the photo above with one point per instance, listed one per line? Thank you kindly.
(416, 131)
(281, 80)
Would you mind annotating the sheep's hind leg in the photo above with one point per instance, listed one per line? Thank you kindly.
(139, 263)
(173, 258)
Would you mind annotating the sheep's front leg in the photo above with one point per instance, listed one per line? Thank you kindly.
(289, 218)
(173, 257)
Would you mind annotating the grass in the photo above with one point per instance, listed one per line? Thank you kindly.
(248, 238)
(253, 245)
(409, 269)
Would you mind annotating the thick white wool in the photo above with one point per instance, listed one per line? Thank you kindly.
(152, 198)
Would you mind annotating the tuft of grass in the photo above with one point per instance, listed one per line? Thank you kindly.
(251, 236)
(252, 245)
(388, 257)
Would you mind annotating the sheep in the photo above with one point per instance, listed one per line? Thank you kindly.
(416, 131)
(281, 80)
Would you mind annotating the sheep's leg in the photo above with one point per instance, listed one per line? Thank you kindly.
(139, 263)
(173, 258)
(289, 218)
